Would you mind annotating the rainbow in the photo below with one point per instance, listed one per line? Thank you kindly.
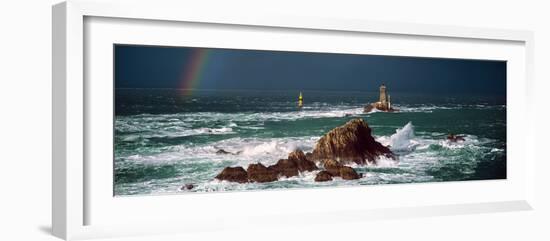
(193, 70)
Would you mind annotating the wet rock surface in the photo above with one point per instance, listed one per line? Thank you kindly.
(233, 174)
(260, 173)
(348, 173)
(351, 142)
(323, 176)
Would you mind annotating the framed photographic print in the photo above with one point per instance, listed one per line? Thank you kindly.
(277, 117)
(192, 119)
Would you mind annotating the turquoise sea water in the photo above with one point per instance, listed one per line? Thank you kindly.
(165, 139)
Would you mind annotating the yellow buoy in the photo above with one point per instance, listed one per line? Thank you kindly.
(300, 100)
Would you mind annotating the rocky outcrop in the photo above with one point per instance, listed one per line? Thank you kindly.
(351, 142)
(309, 156)
(332, 167)
(285, 167)
(336, 169)
(368, 108)
(259, 173)
(378, 106)
(233, 174)
(302, 162)
(296, 162)
(348, 173)
(323, 176)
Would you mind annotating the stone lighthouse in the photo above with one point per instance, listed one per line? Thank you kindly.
(383, 98)
(383, 103)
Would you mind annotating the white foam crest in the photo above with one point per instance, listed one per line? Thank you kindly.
(469, 141)
(244, 151)
(386, 162)
(422, 108)
(402, 140)
(184, 124)
(430, 108)
(336, 111)
(272, 147)
(148, 131)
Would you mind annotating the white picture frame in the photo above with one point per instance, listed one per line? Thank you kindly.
(74, 187)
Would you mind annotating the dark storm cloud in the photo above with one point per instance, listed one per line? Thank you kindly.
(164, 67)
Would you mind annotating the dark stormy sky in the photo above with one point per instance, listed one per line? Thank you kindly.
(166, 67)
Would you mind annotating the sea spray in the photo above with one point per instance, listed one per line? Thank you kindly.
(401, 140)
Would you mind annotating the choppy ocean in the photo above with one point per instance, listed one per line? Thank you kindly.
(165, 139)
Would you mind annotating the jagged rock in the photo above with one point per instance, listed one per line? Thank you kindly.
(351, 142)
(295, 163)
(285, 167)
(259, 173)
(348, 173)
(323, 176)
(301, 160)
(336, 169)
(332, 167)
(309, 156)
(233, 174)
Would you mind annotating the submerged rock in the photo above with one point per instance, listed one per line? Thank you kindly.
(301, 160)
(454, 138)
(233, 174)
(222, 152)
(351, 142)
(187, 186)
(259, 173)
(348, 173)
(323, 176)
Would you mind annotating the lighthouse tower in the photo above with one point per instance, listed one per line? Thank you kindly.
(383, 103)
(383, 98)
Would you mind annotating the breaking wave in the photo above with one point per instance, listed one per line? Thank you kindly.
(402, 140)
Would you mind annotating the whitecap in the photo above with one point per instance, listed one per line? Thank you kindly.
(131, 138)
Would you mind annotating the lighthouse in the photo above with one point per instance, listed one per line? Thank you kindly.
(383, 103)
(384, 100)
